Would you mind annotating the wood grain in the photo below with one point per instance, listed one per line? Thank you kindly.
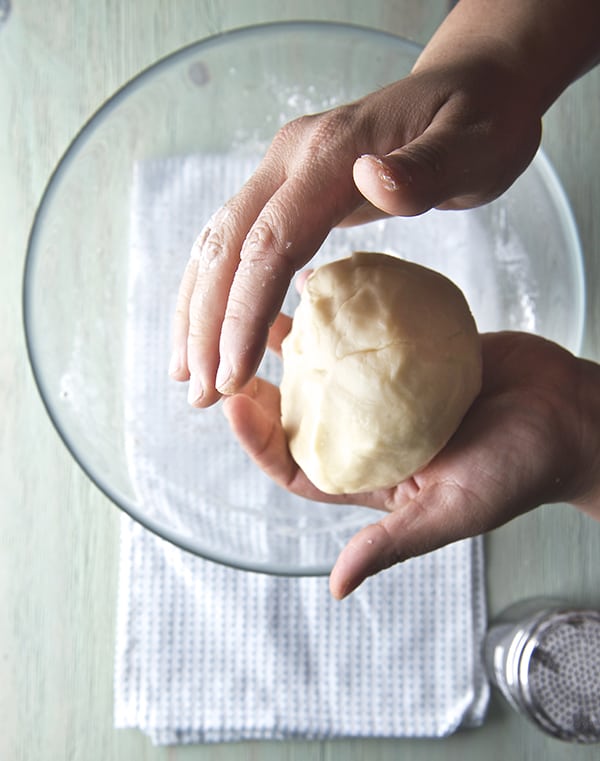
(59, 535)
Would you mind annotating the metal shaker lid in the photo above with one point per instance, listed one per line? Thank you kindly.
(559, 675)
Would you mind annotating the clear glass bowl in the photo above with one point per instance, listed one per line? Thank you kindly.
(177, 470)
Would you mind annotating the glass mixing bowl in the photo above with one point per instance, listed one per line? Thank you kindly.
(111, 238)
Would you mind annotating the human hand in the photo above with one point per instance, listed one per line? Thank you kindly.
(531, 437)
(450, 136)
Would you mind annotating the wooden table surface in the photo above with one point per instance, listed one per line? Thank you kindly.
(59, 535)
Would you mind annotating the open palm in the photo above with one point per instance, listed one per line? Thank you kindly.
(518, 447)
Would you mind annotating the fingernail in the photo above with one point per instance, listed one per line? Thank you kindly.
(224, 374)
(394, 170)
(388, 182)
(175, 363)
(195, 390)
(391, 173)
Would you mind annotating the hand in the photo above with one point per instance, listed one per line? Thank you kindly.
(450, 136)
(530, 438)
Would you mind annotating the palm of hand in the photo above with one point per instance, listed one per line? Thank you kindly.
(516, 448)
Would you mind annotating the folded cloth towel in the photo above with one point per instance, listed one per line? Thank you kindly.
(208, 653)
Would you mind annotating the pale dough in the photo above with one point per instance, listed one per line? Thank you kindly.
(381, 364)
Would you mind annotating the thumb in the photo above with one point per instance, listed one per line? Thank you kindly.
(415, 178)
(440, 514)
(443, 167)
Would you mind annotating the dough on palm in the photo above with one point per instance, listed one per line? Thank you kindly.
(380, 366)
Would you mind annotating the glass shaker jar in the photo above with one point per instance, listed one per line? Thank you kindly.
(544, 656)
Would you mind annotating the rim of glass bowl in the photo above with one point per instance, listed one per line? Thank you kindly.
(563, 207)
(80, 139)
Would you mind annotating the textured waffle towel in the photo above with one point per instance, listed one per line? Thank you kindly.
(206, 653)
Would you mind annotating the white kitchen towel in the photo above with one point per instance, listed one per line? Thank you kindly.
(208, 653)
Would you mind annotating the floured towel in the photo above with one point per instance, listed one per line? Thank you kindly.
(208, 653)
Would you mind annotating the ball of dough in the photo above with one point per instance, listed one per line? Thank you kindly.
(379, 368)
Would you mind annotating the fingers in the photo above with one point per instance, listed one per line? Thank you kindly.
(301, 279)
(250, 251)
(233, 287)
(178, 366)
(254, 418)
(283, 324)
(205, 287)
(214, 272)
(278, 331)
(279, 243)
(259, 431)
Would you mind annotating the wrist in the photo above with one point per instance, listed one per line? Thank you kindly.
(547, 44)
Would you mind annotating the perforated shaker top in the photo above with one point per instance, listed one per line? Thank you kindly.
(564, 677)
